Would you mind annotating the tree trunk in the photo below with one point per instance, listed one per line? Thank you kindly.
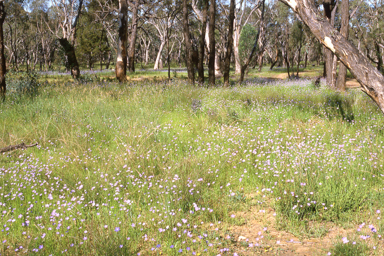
(371, 80)
(70, 54)
(202, 42)
(306, 59)
(287, 63)
(132, 43)
(379, 57)
(276, 59)
(2, 57)
(261, 27)
(344, 9)
(188, 45)
(212, 43)
(109, 60)
(121, 62)
(298, 61)
(158, 58)
(260, 61)
(227, 61)
(236, 40)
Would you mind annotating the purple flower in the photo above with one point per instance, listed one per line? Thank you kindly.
(117, 229)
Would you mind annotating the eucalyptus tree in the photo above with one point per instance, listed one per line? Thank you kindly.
(243, 15)
(164, 21)
(121, 61)
(16, 27)
(212, 42)
(67, 14)
(297, 40)
(188, 45)
(344, 30)
(370, 79)
(228, 55)
(256, 42)
(141, 11)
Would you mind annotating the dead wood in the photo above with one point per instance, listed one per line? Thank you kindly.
(18, 146)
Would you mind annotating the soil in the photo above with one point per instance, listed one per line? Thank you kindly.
(259, 232)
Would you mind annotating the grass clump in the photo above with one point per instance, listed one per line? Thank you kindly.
(348, 248)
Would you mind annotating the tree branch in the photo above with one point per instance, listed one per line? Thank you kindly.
(18, 146)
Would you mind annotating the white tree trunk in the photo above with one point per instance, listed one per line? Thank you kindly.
(236, 39)
(158, 58)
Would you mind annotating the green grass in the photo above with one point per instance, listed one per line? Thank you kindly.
(168, 164)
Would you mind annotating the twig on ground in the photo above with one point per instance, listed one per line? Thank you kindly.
(18, 146)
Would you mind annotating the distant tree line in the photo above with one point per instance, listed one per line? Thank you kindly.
(213, 35)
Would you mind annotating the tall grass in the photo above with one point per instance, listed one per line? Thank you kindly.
(162, 168)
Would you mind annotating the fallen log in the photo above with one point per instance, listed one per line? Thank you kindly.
(18, 146)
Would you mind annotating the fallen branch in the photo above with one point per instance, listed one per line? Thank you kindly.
(14, 147)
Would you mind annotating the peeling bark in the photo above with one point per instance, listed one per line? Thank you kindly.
(371, 80)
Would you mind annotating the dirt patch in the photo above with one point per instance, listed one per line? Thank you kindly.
(259, 234)
(352, 83)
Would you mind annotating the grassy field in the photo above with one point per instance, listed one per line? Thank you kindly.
(164, 168)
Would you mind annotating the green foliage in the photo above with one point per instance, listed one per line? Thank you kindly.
(297, 33)
(92, 40)
(246, 42)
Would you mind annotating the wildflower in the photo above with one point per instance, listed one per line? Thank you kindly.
(345, 240)
(117, 229)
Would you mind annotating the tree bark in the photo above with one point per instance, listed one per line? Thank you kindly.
(132, 43)
(202, 42)
(328, 54)
(227, 61)
(298, 61)
(371, 80)
(188, 45)
(121, 62)
(212, 43)
(3, 67)
(344, 9)
(378, 56)
(72, 63)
